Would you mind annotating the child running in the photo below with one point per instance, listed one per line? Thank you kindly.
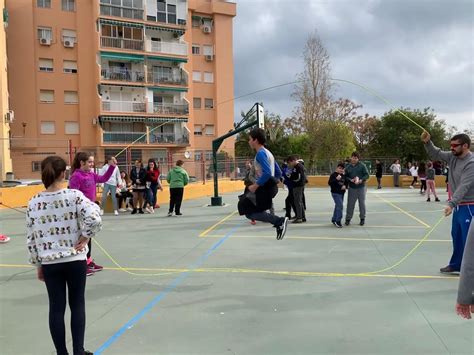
(430, 182)
(60, 223)
(338, 188)
(84, 179)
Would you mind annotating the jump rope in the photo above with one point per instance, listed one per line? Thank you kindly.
(171, 271)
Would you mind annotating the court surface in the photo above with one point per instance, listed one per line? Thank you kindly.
(208, 282)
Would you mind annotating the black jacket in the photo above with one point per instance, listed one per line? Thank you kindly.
(140, 176)
(298, 175)
(336, 185)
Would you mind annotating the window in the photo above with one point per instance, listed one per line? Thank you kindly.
(35, 166)
(197, 102)
(48, 127)
(69, 35)
(209, 130)
(45, 33)
(208, 50)
(161, 14)
(69, 5)
(70, 97)
(209, 155)
(44, 4)
(171, 14)
(71, 127)
(197, 76)
(208, 77)
(47, 96)
(196, 21)
(197, 156)
(45, 64)
(196, 49)
(208, 103)
(197, 130)
(70, 66)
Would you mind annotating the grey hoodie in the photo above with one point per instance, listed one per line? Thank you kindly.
(461, 173)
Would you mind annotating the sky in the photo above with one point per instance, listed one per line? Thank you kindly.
(414, 53)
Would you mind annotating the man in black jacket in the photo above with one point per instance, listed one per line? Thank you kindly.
(298, 178)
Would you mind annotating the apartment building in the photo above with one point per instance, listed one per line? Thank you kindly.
(104, 75)
(6, 116)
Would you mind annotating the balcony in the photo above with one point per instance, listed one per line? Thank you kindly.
(120, 74)
(170, 109)
(118, 11)
(175, 77)
(174, 48)
(123, 106)
(124, 137)
(169, 138)
(121, 43)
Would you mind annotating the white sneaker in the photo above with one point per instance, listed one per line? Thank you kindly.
(116, 213)
(129, 209)
(147, 209)
(411, 187)
(123, 210)
(151, 210)
(101, 212)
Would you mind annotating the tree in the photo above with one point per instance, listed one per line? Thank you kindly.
(397, 137)
(336, 141)
(365, 130)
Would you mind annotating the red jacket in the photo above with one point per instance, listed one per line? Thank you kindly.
(153, 175)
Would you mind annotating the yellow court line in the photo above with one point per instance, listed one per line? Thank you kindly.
(267, 272)
(203, 234)
(336, 238)
(403, 211)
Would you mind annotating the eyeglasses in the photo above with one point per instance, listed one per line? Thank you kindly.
(455, 145)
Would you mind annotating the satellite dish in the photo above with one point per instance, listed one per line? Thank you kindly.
(187, 154)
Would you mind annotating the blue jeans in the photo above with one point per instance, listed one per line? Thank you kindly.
(339, 202)
(462, 217)
(150, 197)
(113, 190)
(266, 217)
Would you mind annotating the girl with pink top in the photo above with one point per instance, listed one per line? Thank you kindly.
(84, 179)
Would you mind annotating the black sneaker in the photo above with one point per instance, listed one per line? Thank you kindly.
(178, 214)
(437, 199)
(448, 270)
(281, 229)
(338, 224)
(297, 221)
(362, 222)
(304, 220)
(140, 211)
(134, 211)
(348, 221)
(428, 200)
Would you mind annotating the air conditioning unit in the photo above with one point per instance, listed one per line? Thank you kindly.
(206, 29)
(69, 44)
(9, 117)
(45, 41)
(209, 58)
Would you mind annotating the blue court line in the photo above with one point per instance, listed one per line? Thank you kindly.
(164, 293)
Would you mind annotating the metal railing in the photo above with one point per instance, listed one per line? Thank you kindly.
(171, 109)
(122, 43)
(169, 138)
(124, 137)
(120, 74)
(119, 11)
(175, 77)
(123, 106)
(178, 48)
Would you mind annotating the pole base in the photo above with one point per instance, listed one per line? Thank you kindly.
(216, 201)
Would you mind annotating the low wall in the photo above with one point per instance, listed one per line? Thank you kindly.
(19, 196)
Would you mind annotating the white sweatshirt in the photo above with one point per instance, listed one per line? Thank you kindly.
(115, 179)
(54, 223)
(414, 171)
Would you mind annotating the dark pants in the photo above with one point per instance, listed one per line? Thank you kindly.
(379, 181)
(298, 193)
(462, 219)
(423, 185)
(57, 277)
(123, 197)
(354, 195)
(415, 180)
(176, 197)
(338, 206)
(266, 217)
(289, 203)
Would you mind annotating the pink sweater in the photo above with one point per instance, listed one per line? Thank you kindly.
(86, 181)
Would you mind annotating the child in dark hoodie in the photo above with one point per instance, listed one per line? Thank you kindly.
(338, 188)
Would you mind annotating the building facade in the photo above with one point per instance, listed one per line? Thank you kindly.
(138, 78)
(6, 115)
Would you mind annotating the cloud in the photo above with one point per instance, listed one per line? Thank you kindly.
(416, 53)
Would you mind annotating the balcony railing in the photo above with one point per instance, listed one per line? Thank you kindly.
(119, 74)
(177, 48)
(118, 11)
(124, 137)
(122, 43)
(171, 109)
(123, 106)
(175, 77)
(169, 138)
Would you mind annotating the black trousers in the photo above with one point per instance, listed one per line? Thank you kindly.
(176, 197)
(289, 204)
(57, 277)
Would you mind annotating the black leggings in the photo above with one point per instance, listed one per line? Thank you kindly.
(56, 277)
(176, 197)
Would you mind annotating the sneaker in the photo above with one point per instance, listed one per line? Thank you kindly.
(94, 267)
(281, 229)
(362, 222)
(437, 199)
(348, 221)
(123, 210)
(411, 187)
(89, 272)
(147, 210)
(253, 222)
(297, 221)
(134, 211)
(140, 211)
(101, 212)
(116, 213)
(178, 214)
(170, 214)
(129, 209)
(304, 220)
(4, 238)
(428, 200)
(448, 270)
(338, 224)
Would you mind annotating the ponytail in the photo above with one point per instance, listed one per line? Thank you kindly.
(76, 163)
(51, 169)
